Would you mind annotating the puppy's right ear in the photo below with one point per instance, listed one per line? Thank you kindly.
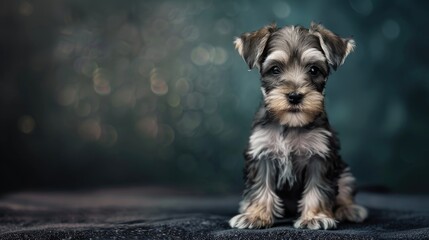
(335, 48)
(251, 45)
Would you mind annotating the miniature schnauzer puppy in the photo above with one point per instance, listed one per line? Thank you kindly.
(292, 163)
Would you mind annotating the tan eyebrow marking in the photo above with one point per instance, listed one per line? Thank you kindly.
(312, 55)
(277, 55)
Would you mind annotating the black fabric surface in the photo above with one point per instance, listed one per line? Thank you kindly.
(151, 213)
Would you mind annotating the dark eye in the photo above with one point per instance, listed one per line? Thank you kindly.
(314, 71)
(275, 70)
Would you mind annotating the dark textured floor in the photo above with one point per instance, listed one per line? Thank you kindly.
(153, 213)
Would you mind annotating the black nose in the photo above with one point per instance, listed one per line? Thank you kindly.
(294, 97)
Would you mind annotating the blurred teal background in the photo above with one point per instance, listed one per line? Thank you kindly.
(102, 93)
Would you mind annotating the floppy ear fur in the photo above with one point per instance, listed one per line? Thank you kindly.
(335, 48)
(251, 45)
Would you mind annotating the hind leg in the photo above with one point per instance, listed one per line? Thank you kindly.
(346, 209)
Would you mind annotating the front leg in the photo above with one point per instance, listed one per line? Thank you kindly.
(260, 204)
(318, 197)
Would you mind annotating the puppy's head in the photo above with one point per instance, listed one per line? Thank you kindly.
(294, 64)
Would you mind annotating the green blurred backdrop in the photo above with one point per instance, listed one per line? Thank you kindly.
(102, 93)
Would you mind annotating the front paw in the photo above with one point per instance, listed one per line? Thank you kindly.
(246, 220)
(352, 213)
(319, 221)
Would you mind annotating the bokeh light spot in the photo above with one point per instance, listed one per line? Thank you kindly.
(157, 84)
(90, 130)
(64, 49)
(214, 124)
(25, 9)
(391, 29)
(85, 65)
(183, 86)
(176, 16)
(220, 56)
(189, 122)
(281, 9)
(200, 56)
(190, 33)
(67, 96)
(165, 135)
(224, 26)
(148, 126)
(363, 7)
(205, 54)
(101, 83)
(173, 100)
(109, 135)
(26, 124)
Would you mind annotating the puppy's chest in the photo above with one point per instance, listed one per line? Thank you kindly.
(300, 143)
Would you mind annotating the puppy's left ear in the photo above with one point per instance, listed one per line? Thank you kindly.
(335, 48)
(251, 45)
